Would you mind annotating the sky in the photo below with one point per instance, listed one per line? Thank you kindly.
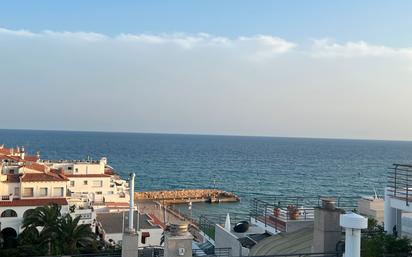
(330, 69)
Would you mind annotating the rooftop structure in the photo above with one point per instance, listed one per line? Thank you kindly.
(398, 199)
(287, 214)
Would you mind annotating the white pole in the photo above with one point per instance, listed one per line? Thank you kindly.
(131, 205)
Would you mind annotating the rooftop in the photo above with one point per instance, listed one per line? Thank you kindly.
(112, 222)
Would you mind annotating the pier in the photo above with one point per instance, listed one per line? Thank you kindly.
(187, 195)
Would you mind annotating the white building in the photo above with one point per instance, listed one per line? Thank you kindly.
(80, 187)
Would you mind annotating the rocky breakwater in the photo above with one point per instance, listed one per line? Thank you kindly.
(187, 195)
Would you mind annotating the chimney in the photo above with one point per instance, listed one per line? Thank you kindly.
(131, 202)
(178, 241)
(22, 153)
(327, 231)
(353, 223)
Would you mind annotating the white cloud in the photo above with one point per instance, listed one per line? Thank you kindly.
(22, 33)
(260, 46)
(86, 36)
(329, 48)
(201, 83)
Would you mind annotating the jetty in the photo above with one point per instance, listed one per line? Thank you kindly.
(187, 196)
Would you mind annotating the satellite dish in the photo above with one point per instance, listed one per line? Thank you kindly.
(241, 227)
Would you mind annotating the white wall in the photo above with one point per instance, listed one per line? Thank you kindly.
(80, 188)
(225, 239)
(16, 222)
(50, 185)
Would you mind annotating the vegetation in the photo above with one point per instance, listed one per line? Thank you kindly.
(47, 232)
(377, 243)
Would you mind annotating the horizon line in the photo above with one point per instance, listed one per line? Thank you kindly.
(205, 134)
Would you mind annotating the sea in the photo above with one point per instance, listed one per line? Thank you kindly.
(247, 166)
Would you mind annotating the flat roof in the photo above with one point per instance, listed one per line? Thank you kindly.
(112, 221)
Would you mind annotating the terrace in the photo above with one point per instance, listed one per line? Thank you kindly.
(281, 214)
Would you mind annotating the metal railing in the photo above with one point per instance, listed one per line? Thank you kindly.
(400, 182)
(206, 223)
(332, 254)
(213, 252)
(276, 211)
(150, 251)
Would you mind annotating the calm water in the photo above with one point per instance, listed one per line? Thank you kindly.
(248, 166)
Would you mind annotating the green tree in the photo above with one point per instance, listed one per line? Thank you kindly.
(74, 235)
(377, 243)
(48, 219)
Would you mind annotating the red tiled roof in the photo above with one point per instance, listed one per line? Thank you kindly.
(31, 158)
(9, 157)
(34, 202)
(49, 176)
(36, 166)
(5, 151)
(86, 175)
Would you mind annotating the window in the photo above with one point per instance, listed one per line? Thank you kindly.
(11, 171)
(58, 191)
(28, 192)
(28, 212)
(85, 182)
(17, 191)
(72, 183)
(43, 191)
(69, 168)
(8, 213)
(77, 170)
(97, 183)
(110, 192)
(99, 193)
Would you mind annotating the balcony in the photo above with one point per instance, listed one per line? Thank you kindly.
(7, 197)
(400, 182)
(280, 214)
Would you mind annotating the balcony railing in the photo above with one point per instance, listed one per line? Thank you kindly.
(206, 223)
(8, 197)
(277, 211)
(400, 182)
(212, 252)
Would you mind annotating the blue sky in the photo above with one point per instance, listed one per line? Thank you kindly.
(379, 22)
(335, 69)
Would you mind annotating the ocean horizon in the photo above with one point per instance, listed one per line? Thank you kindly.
(246, 165)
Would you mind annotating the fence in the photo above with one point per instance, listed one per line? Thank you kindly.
(277, 211)
(400, 182)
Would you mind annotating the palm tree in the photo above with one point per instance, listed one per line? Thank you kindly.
(48, 218)
(73, 234)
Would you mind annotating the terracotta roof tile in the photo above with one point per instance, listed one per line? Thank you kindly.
(34, 202)
(31, 158)
(5, 151)
(50, 176)
(36, 166)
